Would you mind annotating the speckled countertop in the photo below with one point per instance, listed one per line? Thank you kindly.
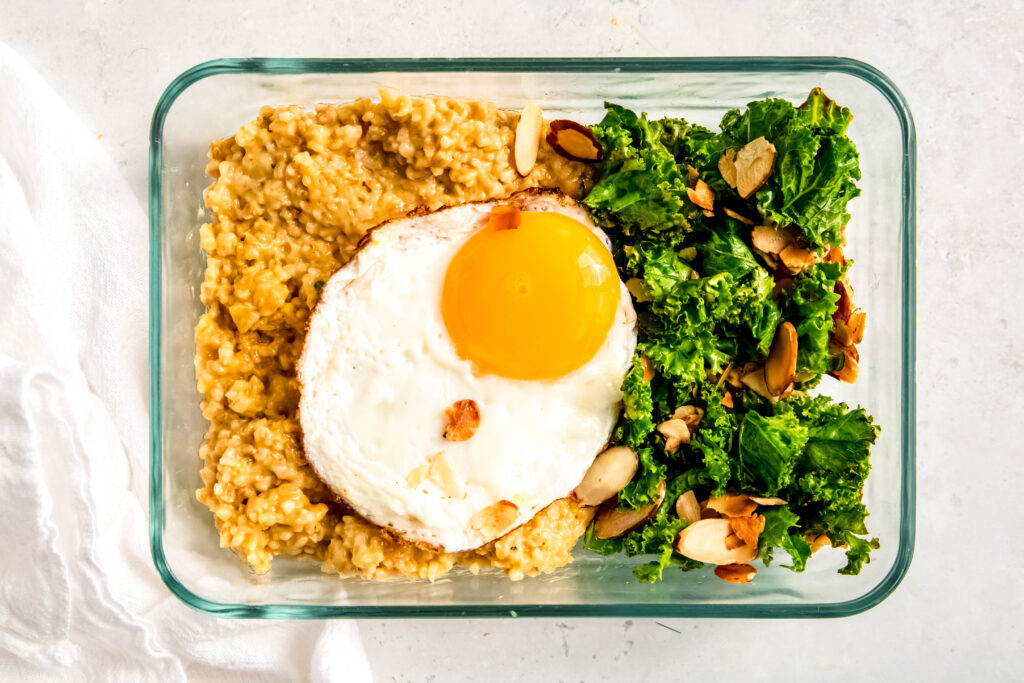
(962, 70)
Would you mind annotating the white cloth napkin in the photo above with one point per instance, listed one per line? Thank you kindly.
(79, 597)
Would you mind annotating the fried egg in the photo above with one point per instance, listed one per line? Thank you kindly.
(458, 377)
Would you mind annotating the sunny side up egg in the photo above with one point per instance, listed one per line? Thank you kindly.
(458, 377)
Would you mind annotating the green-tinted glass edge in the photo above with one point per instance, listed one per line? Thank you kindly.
(852, 67)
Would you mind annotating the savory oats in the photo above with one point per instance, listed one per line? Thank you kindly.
(293, 192)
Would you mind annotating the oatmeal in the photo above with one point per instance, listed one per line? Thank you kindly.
(293, 193)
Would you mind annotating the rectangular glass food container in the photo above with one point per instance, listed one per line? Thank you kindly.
(211, 100)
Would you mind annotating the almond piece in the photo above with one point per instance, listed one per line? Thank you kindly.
(527, 141)
(748, 528)
(504, 217)
(844, 307)
(769, 239)
(611, 470)
(735, 573)
(850, 332)
(691, 415)
(780, 366)
(727, 167)
(727, 400)
(687, 507)
(691, 176)
(754, 163)
(613, 521)
(732, 541)
(574, 141)
(675, 432)
(850, 369)
(767, 501)
(796, 258)
(494, 519)
(835, 255)
(463, 418)
(755, 381)
(818, 542)
(702, 196)
(732, 505)
(739, 217)
(704, 541)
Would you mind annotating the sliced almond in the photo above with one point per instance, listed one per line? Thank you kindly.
(702, 195)
(818, 542)
(648, 367)
(504, 217)
(704, 541)
(780, 366)
(727, 400)
(748, 528)
(770, 240)
(735, 573)
(755, 381)
(611, 470)
(574, 141)
(675, 432)
(795, 258)
(531, 121)
(687, 507)
(734, 375)
(732, 541)
(732, 505)
(691, 176)
(845, 304)
(463, 418)
(767, 501)
(738, 217)
(727, 167)
(691, 415)
(495, 519)
(613, 521)
(638, 289)
(835, 255)
(850, 332)
(754, 163)
(850, 369)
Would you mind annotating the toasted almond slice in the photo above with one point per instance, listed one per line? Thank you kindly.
(755, 381)
(574, 141)
(732, 505)
(748, 528)
(691, 415)
(736, 573)
(818, 542)
(835, 255)
(732, 541)
(463, 418)
(704, 541)
(702, 195)
(611, 470)
(734, 376)
(850, 332)
(850, 369)
(687, 507)
(780, 366)
(770, 240)
(638, 289)
(531, 121)
(736, 216)
(727, 167)
(727, 400)
(796, 258)
(504, 217)
(495, 519)
(691, 176)
(767, 501)
(613, 521)
(845, 304)
(675, 432)
(648, 367)
(754, 163)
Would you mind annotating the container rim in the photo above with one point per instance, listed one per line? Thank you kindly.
(865, 72)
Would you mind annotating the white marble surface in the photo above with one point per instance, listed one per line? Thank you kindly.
(961, 66)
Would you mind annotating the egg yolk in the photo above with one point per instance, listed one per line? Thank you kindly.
(532, 302)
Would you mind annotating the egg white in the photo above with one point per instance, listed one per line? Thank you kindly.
(379, 369)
